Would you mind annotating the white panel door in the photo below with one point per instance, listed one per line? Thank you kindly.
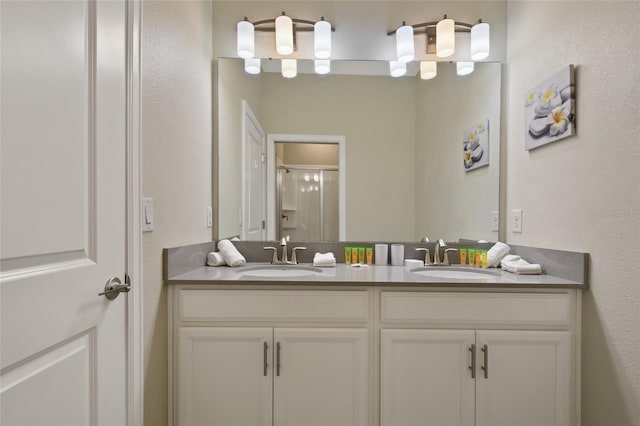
(527, 381)
(426, 378)
(63, 141)
(254, 187)
(224, 376)
(321, 377)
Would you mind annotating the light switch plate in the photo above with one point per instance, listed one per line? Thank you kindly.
(147, 214)
(495, 221)
(516, 221)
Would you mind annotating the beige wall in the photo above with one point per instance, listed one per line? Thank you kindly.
(234, 86)
(176, 162)
(583, 193)
(450, 202)
(377, 117)
(309, 154)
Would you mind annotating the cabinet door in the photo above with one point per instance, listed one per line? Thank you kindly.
(322, 377)
(222, 377)
(528, 378)
(425, 378)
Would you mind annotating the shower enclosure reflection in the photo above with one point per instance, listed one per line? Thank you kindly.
(307, 202)
(307, 190)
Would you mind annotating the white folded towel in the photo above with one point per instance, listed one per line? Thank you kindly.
(215, 259)
(517, 265)
(324, 259)
(230, 253)
(496, 253)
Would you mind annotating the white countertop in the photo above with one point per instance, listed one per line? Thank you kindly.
(370, 276)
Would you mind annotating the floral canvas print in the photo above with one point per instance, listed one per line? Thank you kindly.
(550, 110)
(475, 144)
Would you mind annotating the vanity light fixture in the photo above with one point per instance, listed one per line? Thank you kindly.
(464, 68)
(252, 65)
(397, 68)
(322, 66)
(441, 40)
(245, 38)
(480, 41)
(404, 43)
(322, 39)
(289, 68)
(428, 69)
(445, 37)
(285, 29)
(284, 35)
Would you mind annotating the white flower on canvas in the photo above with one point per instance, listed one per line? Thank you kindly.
(531, 98)
(548, 101)
(559, 119)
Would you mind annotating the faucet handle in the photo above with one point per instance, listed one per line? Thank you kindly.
(427, 256)
(294, 260)
(446, 256)
(275, 254)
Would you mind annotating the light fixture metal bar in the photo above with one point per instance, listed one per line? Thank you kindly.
(461, 27)
(272, 23)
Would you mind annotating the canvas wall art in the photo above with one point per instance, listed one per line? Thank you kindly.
(550, 110)
(475, 144)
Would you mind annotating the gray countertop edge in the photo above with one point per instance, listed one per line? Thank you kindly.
(377, 276)
(187, 265)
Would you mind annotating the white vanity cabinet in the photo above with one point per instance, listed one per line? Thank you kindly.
(373, 355)
(485, 359)
(270, 357)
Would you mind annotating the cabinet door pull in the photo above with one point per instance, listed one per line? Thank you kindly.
(485, 367)
(278, 359)
(265, 364)
(472, 367)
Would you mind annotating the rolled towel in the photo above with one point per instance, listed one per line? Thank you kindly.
(230, 253)
(324, 259)
(215, 259)
(517, 265)
(496, 254)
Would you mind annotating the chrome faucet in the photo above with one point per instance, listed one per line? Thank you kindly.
(284, 259)
(283, 244)
(436, 253)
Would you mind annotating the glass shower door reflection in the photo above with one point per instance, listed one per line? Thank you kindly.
(308, 204)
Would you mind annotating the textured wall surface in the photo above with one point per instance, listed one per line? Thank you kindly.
(176, 157)
(583, 193)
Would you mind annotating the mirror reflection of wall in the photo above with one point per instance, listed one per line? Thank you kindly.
(405, 177)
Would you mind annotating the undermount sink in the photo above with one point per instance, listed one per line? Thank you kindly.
(278, 271)
(453, 273)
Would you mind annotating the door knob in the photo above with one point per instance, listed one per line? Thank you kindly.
(114, 287)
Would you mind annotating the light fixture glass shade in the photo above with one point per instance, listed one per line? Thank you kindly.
(404, 43)
(322, 66)
(428, 70)
(284, 35)
(480, 41)
(322, 39)
(289, 68)
(252, 65)
(464, 68)
(445, 38)
(397, 68)
(246, 41)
